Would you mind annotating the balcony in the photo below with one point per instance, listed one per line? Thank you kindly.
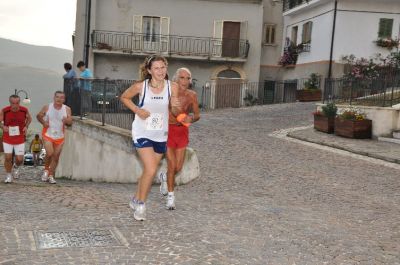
(292, 7)
(290, 4)
(183, 47)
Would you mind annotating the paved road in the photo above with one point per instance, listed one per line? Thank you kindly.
(260, 200)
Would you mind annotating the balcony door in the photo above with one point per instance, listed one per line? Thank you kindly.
(229, 38)
(151, 34)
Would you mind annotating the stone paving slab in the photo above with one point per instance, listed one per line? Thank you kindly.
(368, 147)
(260, 200)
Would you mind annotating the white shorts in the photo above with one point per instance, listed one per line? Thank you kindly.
(19, 149)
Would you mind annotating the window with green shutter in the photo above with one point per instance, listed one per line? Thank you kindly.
(385, 28)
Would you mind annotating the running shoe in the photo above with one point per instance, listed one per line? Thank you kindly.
(133, 203)
(45, 176)
(163, 183)
(170, 202)
(52, 180)
(15, 171)
(140, 212)
(8, 179)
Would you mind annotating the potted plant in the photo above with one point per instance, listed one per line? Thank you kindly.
(311, 91)
(324, 120)
(352, 123)
(388, 43)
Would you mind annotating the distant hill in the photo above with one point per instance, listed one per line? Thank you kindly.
(44, 57)
(36, 69)
(40, 85)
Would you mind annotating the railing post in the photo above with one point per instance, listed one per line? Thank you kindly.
(103, 111)
(351, 92)
(81, 98)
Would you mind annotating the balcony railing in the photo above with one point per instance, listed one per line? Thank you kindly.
(290, 4)
(171, 45)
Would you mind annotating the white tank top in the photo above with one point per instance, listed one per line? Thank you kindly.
(155, 127)
(54, 118)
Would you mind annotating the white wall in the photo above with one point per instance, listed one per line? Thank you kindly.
(105, 153)
(357, 24)
(187, 18)
(356, 31)
(322, 18)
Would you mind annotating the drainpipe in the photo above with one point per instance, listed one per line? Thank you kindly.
(87, 38)
(328, 82)
(332, 40)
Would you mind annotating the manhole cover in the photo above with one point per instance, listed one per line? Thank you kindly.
(82, 238)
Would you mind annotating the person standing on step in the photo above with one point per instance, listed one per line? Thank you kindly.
(36, 147)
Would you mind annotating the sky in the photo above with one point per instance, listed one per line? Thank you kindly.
(39, 22)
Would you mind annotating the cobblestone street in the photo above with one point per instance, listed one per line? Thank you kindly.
(259, 200)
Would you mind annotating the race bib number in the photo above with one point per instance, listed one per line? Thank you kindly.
(55, 133)
(13, 131)
(155, 122)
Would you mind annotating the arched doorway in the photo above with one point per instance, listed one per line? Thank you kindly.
(228, 89)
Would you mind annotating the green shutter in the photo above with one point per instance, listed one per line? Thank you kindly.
(385, 28)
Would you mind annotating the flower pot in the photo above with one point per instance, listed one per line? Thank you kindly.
(358, 129)
(324, 124)
(308, 95)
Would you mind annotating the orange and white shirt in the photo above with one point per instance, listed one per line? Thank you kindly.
(54, 117)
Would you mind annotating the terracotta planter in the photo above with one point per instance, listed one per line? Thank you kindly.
(324, 124)
(353, 129)
(308, 95)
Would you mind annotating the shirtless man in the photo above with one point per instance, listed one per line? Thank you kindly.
(54, 117)
(178, 132)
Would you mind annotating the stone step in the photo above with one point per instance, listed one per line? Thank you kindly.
(389, 139)
(396, 134)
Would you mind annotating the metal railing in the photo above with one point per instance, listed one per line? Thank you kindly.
(383, 91)
(236, 94)
(132, 43)
(99, 99)
(290, 4)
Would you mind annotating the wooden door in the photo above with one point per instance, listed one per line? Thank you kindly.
(230, 39)
(227, 93)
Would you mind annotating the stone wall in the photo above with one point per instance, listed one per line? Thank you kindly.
(105, 153)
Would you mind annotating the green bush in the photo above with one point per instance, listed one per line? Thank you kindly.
(329, 110)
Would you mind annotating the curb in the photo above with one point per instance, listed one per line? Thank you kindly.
(372, 155)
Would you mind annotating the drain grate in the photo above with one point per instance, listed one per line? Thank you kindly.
(79, 239)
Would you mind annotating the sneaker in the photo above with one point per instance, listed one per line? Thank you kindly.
(45, 176)
(140, 212)
(52, 180)
(163, 183)
(15, 172)
(133, 203)
(8, 179)
(170, 202)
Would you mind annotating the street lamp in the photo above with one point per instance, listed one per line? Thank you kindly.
(26, 100)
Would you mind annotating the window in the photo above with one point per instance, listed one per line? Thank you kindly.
(385, 28)
(151, 28)
(295, 30)
(269, 30)
(306, 34)
(150, 33)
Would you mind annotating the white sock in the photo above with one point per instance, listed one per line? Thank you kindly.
(170, 193)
